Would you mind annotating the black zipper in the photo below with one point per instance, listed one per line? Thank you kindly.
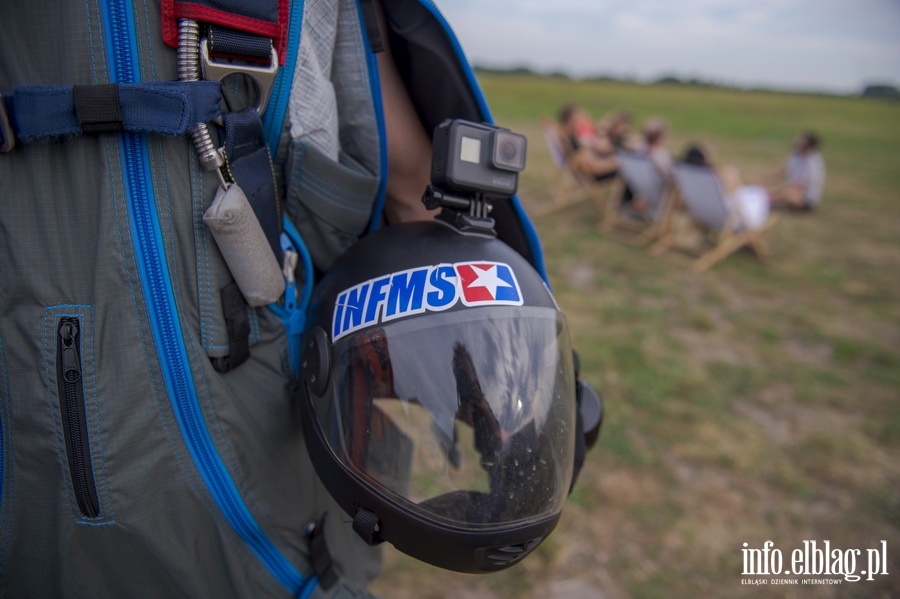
(71, 405)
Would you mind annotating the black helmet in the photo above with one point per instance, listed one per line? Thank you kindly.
(438, 396)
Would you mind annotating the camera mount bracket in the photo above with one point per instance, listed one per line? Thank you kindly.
(468, 214)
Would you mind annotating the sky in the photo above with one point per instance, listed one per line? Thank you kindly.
(820, 45)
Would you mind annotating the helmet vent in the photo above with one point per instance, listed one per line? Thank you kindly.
(502, 557)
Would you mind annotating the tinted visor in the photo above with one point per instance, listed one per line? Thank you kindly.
(465, 417)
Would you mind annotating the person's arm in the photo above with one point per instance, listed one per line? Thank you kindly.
(589, 162)
(408, 145)
(662, 160)
(776, 177)
(815, 185)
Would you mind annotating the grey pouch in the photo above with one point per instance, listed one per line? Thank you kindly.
(334, 160)
(244, 247)
(330, 202)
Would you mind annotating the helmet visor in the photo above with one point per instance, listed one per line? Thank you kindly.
(464, 417)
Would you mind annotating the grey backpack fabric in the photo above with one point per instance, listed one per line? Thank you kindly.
(72, 266)
(129, 465)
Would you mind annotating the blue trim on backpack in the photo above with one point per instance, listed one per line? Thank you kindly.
(527, 226)
(378, 105)
(533, 240)
(293, 317)
(273, 117)
(162, 311)
(310, 586)
(463, 61)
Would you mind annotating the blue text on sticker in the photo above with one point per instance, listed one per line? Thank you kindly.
(424, 289)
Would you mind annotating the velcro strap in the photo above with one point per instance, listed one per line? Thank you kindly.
(39, 113)
(97, 108)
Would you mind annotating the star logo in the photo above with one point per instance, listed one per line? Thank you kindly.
(488, 283)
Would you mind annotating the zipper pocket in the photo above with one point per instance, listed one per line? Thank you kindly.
(74, 420)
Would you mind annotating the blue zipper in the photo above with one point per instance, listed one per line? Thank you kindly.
(273, 117)
(292, 314)
(163, 313)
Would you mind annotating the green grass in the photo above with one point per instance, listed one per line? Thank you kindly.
(754, 402)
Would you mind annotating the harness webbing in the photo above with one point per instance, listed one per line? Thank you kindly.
(41, 113)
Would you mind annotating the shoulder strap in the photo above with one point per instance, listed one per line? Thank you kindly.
(429, 58)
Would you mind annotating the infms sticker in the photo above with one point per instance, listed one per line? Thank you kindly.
(424, 289)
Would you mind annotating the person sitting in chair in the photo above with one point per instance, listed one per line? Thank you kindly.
(655, 135)
(752, 202)
(617, 129)
(800, 182)
(590, 153)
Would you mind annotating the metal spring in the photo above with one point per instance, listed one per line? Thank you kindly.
(188, 50)
(189, 70)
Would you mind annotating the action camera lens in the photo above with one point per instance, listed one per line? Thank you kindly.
(508, 150)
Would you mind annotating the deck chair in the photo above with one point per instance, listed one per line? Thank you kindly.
(640, 174)
(705, 206)
(570, 187)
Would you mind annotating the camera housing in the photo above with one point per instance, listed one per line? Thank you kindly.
(471, 157)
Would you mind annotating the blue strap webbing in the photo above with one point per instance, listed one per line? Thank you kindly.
(250, 165)
(40, 113)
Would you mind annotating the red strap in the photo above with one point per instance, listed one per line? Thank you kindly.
(172, 10)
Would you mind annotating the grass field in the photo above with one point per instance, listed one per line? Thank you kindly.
(754, 402)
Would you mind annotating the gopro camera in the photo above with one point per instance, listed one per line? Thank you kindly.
(476, 157)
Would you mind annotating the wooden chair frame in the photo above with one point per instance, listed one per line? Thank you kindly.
(729, 237)
(618, 217)
(570, 187)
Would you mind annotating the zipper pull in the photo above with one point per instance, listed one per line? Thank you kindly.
(71, 365)
(291, 258)
(294, 318)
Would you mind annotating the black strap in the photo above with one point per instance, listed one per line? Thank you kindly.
(224, 40)
(319, 555)
(97, 108)
(237, 324)
(370, 20)
(250, 165)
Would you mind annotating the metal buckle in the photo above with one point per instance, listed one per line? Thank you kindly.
(264, 77)
(9, 139)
